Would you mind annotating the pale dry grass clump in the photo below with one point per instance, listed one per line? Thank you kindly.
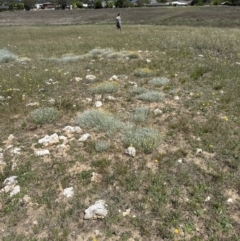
(45, 115)
(143, 72)
(99, 120)
(105, 87)
(159, 81)
(138, 90)
(6, 56)
(145, 139)
(151, 96)
(101, 145)
(70, 58)
(140, 114)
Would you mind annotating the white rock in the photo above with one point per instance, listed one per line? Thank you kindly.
(230, 200)
(114, 77)
(98, 104)
(49, 140)
(15, 190)
(200, 55)
(16, 151)
(84, 137)
(68, 192)
(98, 97)
(96, 177)
(51, 101)
(179, 161)
(42, 152)
(10, 181)
(77, 79)
(91, 77)
(97, 210)
(131, 151)
(176, 98)
(207, 199)
(11, 137)
(71, 129)
(32, 104)
(127, 212)
(148, 61)
(199, 151)
(157, 112)
(109, 97)
(89, 99)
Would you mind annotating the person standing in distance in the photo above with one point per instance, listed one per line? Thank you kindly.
(118, 22)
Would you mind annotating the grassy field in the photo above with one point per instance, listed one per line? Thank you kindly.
(167, 88)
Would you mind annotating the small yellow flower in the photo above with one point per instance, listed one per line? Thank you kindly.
(156, 161)
(225, 118)
(94, 239)
(211, 146)
(176, 231)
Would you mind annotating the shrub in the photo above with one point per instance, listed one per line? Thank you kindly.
(145, 72)
(45, 115)
(140, 114)
(101, 145)
(151, 96)
(105, 87)
(159, 81)
(145, 139)
(100, 120)
(6, 56)
(138, 90)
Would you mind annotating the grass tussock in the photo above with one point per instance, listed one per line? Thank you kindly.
(151, 96)
(143, 72)
(45, 115)
(105, 87)
(146, 139)
(99, 120)
(161, 81)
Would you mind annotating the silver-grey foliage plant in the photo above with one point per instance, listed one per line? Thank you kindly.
(146, 139)
(159, 81)
(99, 120)
(101, 145)
(6, 56)
(45, 115)
(140, 114)
(151, 96)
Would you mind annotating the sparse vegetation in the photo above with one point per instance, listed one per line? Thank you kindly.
(185, 132)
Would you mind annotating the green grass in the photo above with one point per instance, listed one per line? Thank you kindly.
(166, 184)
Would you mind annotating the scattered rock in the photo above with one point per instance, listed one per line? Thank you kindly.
(32, 104)
(91, 77)
(98, 104)
(96, 211)
(10, 186)
(148, 61)
(131, 151)
(176, 98)
(49, 140)
(199, 151)
(200, 55)
(127, 212)
(207, 199)
(68, 192)
(114, 77)
(42, 152)
(96, 177)
(71, 129)
(84, 137)
(157, 112)
(109, 97)
(230, 200)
